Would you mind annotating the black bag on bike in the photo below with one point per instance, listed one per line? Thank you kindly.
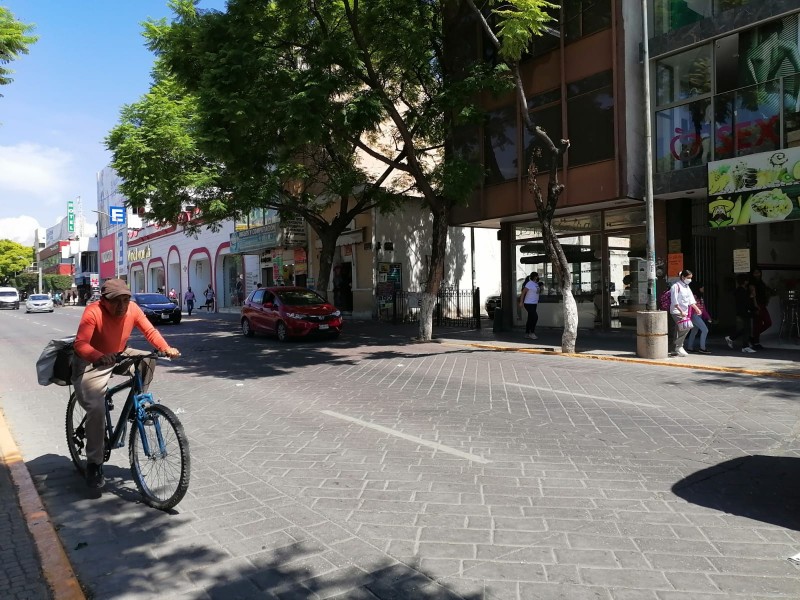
(55, 362)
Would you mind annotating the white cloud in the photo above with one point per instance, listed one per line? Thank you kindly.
(18, 229)
(31, 173)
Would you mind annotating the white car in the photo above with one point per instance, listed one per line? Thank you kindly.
(39, 303)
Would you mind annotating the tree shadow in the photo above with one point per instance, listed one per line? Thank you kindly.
(120, 547)
(763, 488)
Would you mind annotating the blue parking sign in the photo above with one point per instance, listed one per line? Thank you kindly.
(117, 215)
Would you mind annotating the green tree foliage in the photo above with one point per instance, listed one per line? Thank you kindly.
(14, 41)
(14, 258)
(56, 283)
(293, 97)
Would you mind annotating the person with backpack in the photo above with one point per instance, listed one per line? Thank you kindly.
(681, 305)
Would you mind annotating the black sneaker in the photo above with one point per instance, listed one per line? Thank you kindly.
(94, 476)
(703, 351)
(758, 346)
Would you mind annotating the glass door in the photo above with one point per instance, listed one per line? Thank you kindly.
(626, 283)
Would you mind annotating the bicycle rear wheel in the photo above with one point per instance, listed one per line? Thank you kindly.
(76, 433)
(162, 472)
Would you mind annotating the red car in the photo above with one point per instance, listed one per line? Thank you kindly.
(289, 312)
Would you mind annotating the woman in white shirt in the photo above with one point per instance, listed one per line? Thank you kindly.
(529, 298)
(681, 306)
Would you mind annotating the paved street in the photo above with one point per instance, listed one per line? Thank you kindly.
(371, 467)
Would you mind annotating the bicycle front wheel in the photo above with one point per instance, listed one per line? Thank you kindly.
(76, 433)
(159, 453)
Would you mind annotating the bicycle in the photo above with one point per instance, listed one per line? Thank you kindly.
(158, 449)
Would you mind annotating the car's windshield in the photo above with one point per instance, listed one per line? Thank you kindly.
(300, 298)
(39, 297)
(8, 294)
(151, 299)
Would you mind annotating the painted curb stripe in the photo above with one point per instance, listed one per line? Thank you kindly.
(641, 361)
(56, 567)
(410, 438)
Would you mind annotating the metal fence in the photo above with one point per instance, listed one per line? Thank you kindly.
(454, 308)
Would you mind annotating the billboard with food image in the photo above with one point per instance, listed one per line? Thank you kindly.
(761, 188)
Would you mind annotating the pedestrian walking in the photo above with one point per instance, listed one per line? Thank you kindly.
(681, 305)
(209, 294)
(529, 298)
(188, 297)
(743, 297)
(761, 319)
(699, 320)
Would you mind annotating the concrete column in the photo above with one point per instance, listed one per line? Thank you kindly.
(652, 340)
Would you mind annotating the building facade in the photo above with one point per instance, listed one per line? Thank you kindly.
(725, 78)
(586, 86)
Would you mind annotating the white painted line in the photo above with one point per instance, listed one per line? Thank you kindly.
(618, 400)
(410, 438)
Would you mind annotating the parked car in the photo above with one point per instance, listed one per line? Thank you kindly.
(9, 298)
(158, 308)
(39, 303)
(288, 312)
(494, 301)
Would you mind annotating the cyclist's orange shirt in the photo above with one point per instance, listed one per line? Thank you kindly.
(100, 333)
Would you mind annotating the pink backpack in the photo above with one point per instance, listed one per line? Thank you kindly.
(664, 300)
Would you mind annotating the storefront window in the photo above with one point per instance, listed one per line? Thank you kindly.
(791, 111)
(683, 136)
(500, 145)
(757, 118)
(624, 218)
(683, 76)
(674, 14)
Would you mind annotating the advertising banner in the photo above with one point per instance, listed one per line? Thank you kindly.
(108, 264)
(760, 188)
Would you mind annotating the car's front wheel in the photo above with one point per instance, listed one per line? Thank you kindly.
(282, 332)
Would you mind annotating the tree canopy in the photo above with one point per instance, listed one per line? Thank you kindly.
(14, 258)
(301, 106)
(14, 41)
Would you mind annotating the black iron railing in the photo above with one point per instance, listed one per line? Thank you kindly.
(454, 308)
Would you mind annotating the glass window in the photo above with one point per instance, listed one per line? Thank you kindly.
(723, 126)
(791, 111)
(591, 127)
(548, 119)
(682, 136)
(673, 14)
(683, 75)
(757, 119)
(584, 17)
(624, 217)
(500, 145)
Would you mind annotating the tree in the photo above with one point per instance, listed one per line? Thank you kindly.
(14, 258)
(517, 20)
(56, 283)
(14, 41)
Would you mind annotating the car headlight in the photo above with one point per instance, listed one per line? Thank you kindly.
(336, 313)
(295, 315)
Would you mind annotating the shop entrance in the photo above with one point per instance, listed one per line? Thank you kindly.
(625, 280)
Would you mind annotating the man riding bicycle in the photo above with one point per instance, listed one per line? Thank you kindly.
(103, 332)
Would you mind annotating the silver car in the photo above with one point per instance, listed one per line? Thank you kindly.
(39, 303)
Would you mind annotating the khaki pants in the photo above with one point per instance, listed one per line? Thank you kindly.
(90, 387)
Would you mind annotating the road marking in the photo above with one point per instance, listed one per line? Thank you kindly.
(410, 438)
(618, 400)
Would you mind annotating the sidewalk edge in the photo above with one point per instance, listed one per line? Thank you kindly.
(643, 361)
(56, 567)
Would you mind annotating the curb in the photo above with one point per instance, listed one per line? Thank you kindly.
(56, 567)
(641, 361)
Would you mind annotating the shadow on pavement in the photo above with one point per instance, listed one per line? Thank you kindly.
(122, 548)
(763, 488)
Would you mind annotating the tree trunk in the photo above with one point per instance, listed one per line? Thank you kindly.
(563, 274)
(441, 215)
(328, 238)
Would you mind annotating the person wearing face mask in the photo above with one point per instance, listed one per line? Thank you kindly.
(682, 305)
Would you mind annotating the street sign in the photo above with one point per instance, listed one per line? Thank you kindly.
(71, 216)
(116, 215)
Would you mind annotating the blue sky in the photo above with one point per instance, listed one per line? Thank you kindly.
(66, 95)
